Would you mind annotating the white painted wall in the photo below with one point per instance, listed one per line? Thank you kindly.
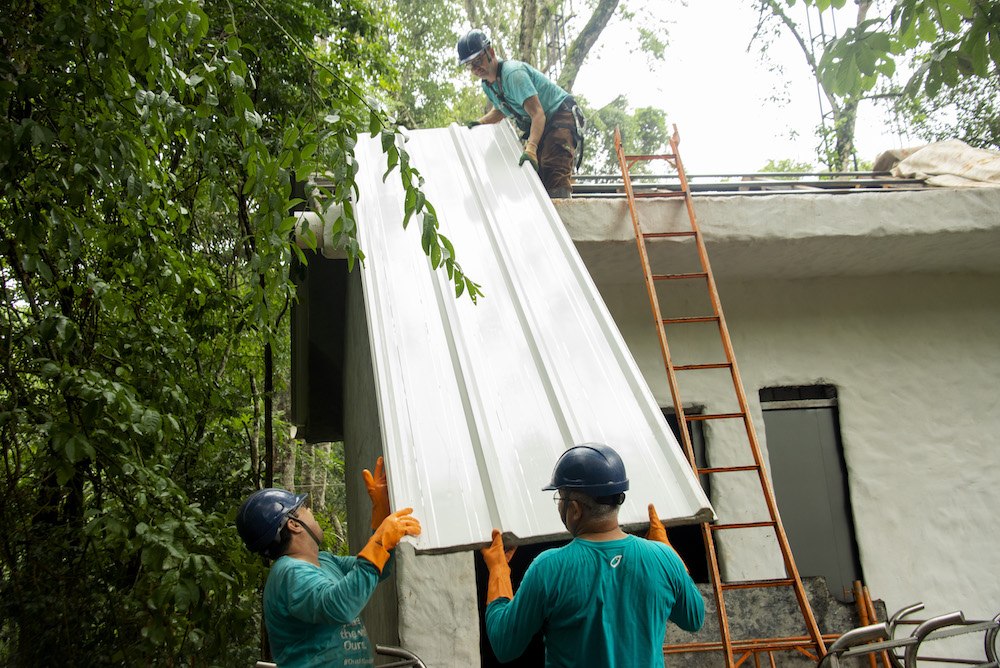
(916, 362)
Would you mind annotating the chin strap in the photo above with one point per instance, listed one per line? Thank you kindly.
(309, 531)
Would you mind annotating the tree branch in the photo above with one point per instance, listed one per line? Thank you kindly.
(581, 46)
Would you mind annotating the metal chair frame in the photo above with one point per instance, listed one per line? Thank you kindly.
(904, 652)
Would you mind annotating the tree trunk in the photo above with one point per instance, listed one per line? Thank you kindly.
(844, 129)
(307, 472)
(526, 38)
(470, 9)
(255, 459)
(845, 112)
(581, 46)
(322, 452)
(286, 464)
(544, 60)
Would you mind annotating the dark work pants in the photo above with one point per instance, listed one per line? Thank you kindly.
(556, 152)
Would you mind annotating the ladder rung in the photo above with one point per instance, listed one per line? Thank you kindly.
(660, 193)
(749, 644)
(742, 525)
(715, 416)
(691, 367)
(750, 584)
(660, 235)
(670, 277)
(665, 156)
(728, 469)
(703, 318)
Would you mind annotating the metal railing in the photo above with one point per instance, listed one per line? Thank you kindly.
(744, 183)
(904, 652)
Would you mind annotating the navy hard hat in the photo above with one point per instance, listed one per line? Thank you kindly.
(262, 515)
(471, 45)
(592, 468)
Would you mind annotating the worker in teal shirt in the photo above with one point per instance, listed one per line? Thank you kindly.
(547, 115)
(606, 597)
(313, 599)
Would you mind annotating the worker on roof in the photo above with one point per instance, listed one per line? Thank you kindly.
(546, 114)
(605, 598)
(313, 599)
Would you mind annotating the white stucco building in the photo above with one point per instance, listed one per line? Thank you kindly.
(877, 311)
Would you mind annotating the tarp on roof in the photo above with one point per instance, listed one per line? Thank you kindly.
(951, 163)
(477, 401)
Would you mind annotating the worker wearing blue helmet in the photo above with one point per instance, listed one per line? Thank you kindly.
(605, 598)
(547, 116)
(313, 599)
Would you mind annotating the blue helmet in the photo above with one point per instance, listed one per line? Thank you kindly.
(263, 514)
(591, 468)
(471, 45)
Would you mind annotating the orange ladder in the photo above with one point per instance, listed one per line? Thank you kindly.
(735, 651)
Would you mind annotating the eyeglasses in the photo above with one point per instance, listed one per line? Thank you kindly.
(477, 61)
(583, 502)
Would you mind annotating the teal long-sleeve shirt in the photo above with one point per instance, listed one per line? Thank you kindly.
(312, 613)
(605, 603)
(518, 81)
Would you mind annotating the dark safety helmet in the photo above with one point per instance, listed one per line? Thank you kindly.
(471, 45)
(263, 514)
(591, 468)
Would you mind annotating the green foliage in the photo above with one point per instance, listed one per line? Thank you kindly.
(786, 165)
(969, 111)
(952, 40)
(430, 86)
(644, 132)
(147, 152)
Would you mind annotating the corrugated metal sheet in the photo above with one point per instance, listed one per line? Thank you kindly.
(478, 401)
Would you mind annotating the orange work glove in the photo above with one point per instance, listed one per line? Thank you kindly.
(378, 490)
(656, 528)
(658, 532)
(497, 559)
(387, 536)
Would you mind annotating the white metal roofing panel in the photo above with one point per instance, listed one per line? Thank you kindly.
(477, 401)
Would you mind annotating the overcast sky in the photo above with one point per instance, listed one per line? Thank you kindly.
(717, 93)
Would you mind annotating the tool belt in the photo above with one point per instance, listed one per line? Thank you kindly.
(577, 126)
(579, 122)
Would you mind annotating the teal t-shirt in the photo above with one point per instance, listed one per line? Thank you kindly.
(519, 81)
(598, 604)
(312, 613)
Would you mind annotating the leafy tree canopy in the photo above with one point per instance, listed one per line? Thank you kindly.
(950, 40)
(433, 91)
(147, 156)
(905, 52)
(644, 132)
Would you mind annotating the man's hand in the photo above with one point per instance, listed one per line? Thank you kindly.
(496, 552)
(387, 536)
(656, 529)
(657, 532)
(378, 490)
(496, 558)
(530, 154)
(472, 124)
(394, 527)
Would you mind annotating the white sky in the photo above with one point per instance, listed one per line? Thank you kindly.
(717, 93)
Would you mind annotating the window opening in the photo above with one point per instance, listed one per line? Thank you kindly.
(802, 425)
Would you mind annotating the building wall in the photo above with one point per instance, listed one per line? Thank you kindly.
(916, 360)
(913, 352)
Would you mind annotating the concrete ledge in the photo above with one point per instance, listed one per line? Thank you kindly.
(864, 233)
